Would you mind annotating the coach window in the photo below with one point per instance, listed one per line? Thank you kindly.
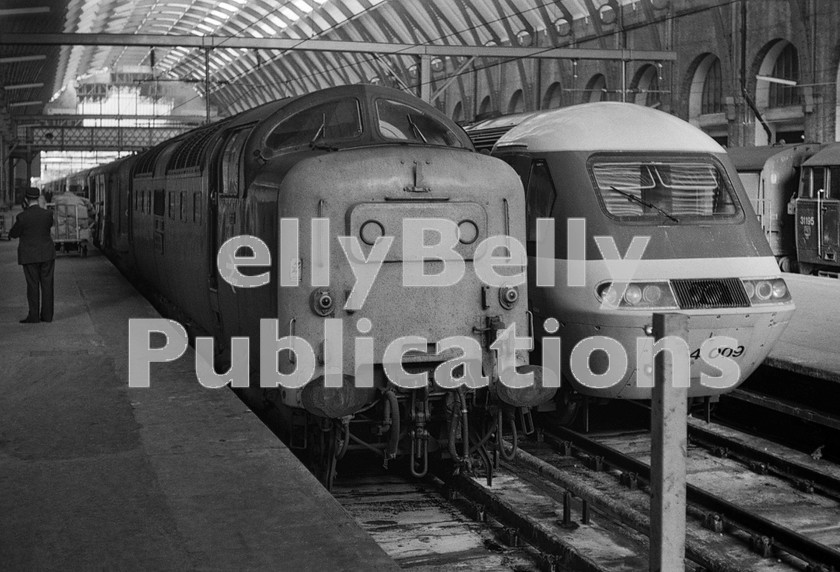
(183, 206)
(197, 208)
(159, 202)
(172, 196)
(333, 120)
(539, 197)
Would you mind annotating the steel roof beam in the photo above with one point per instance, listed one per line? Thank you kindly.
(328, 46)
(22, 86)
(80, 117)
(24, 11)
(20, 59)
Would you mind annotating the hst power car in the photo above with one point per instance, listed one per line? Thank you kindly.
(623, 181)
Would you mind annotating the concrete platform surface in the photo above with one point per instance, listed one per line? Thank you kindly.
(811, 343)
(97, 476)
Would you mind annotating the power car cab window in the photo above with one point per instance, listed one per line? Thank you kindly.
(328, 121)
(400, 122)
(539, 197)
(670, 190)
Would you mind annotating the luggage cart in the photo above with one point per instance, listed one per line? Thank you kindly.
(69, 234)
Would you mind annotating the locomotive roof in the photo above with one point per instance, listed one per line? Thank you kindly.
(829, 156)
(608, 126)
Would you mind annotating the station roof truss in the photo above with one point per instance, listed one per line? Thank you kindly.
(237, 54)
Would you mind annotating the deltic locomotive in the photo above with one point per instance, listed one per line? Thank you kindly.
(356, 161)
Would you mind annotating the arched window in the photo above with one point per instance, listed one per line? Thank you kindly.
(646, 86)
(553, 96)
(517, 102)
(778, 100)
(786, 67)
(706, 103)
(596, 89)
(458, 112)
(485, 105)
(712, 98)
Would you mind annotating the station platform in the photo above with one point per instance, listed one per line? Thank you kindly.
(96, 475)
(811, 343)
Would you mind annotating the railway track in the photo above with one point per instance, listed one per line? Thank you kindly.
(581, 503)
(422, 526)
(744, 495)
(574, 501)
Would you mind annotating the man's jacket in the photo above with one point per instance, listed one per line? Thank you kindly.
(32, 226)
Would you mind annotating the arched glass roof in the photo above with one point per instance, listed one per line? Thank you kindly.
(242, 78)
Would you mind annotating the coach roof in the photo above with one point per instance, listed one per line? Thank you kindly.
(607, 126)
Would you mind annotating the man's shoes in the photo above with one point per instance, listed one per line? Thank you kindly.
(29, 321)
(46, 321)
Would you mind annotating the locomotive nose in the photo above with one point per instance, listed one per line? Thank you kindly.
(533, 395)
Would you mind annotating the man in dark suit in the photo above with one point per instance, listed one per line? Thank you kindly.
(36, 253)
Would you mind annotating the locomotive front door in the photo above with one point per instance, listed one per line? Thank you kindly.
(830, 235)
(818, 231)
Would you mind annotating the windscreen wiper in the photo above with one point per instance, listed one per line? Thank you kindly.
(319, 134)
(415, 128)
(645, 203)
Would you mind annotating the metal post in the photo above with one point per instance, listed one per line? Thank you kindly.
(28, 168)
(669, 444)
(623, 80)
(426, 78)
(207, 85)
(11, 174)
(4, 195)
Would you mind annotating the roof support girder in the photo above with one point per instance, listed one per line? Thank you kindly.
(167, 40)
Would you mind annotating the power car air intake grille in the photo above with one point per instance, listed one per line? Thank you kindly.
(484, 139)
(715, 293)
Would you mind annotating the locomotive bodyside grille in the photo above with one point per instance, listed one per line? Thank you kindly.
(485, 139)
(693, 294)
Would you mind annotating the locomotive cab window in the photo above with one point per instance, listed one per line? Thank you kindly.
(833, 182)
(400, 122)
(333, 120)
(663, 190)
(817, 182)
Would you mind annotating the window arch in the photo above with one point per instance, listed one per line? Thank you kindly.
(517, 102)
(596, 89)
(712, 96)
(485, 105)
(646, 86)
(706, 103)
(706, 91)
(553, 98)
(780, 103)
(785, 67)
(458, 112)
